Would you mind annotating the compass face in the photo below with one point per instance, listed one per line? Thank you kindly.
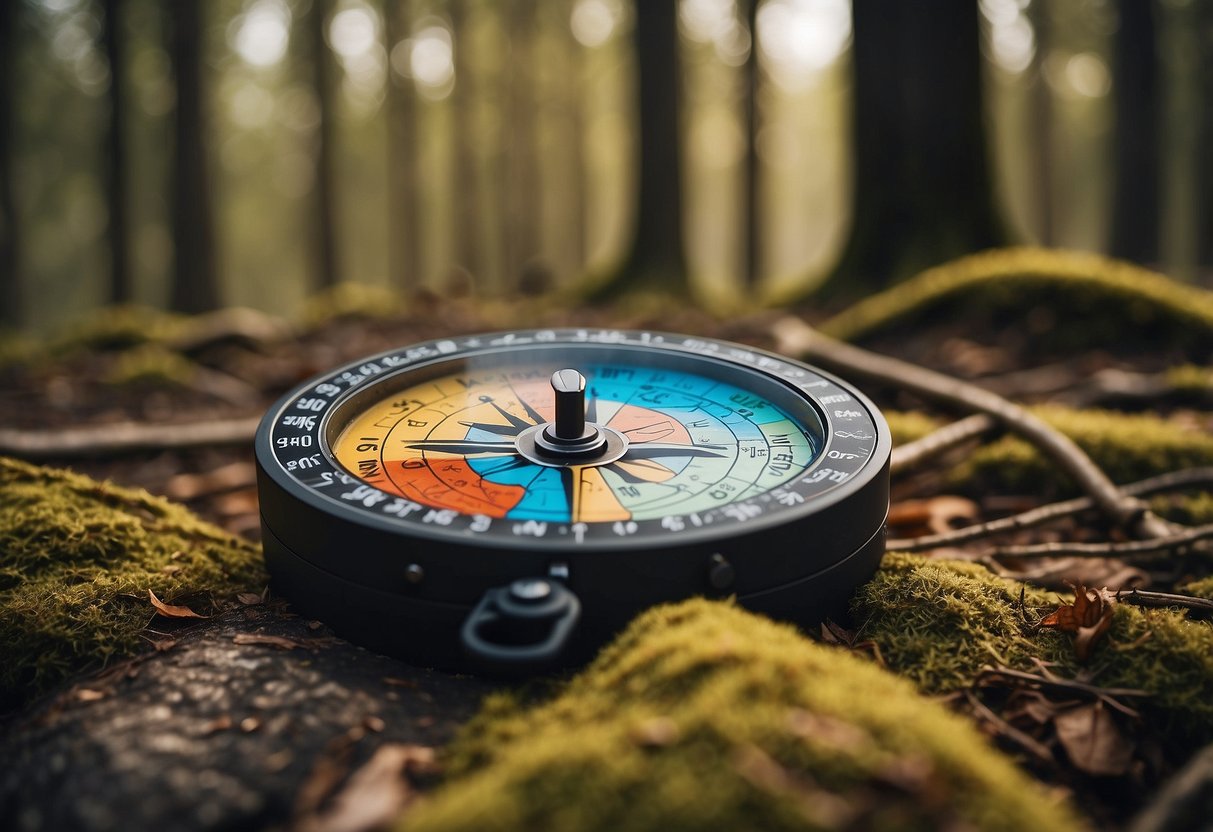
(694, 443)
(685, 439)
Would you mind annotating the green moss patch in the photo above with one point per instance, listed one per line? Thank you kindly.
(77, 558)
(1075, 299)
(704, 716)
(939, 623)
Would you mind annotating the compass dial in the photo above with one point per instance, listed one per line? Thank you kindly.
(693, 444)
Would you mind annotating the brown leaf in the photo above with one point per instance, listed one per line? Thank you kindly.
(89, 695)
(281, 642)
(1093, 741)
(1089, 617)
(171, 610)
(375, 794)
(249, 599)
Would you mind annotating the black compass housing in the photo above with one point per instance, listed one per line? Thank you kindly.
(462, 592)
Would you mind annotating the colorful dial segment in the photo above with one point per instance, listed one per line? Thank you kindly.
(694, 443)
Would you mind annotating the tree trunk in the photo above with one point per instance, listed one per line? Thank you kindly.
(753, 170)
(922, 190)
(656, 261)
(1040, 128)
(522, 194)
(469, 246)
(121, 285)
(11, 312)
(1135, 202)
(325, 269)
(195, 285)
(1204, 141)
(404, 254)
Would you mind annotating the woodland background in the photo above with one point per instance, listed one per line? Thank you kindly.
(250, 152)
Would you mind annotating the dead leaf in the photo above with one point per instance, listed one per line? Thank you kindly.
(1089, 617)
(219, 723)
(89, 695)
(375, 794)
(1093, 741)
(281, 642)
(936, 515)
(249, 599)
(1055, 573)
(171, 610)
(250, 724)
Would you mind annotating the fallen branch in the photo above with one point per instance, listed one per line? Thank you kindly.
(913, 454)
(795, 337)
(1171, 481)
(125, 437)
(1199, 607)
(1163, 544)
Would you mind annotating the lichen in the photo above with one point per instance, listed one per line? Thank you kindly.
(77, 558)
(704, 716)
(1202, 588)
(1108, 297)
(939, 623)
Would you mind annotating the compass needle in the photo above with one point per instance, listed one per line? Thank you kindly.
(482, 502)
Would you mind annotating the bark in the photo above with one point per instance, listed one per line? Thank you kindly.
(922, 188)
(195, 281)
(250, 720)
(1135, 70)
(121, 283)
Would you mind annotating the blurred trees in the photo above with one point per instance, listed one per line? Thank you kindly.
(250, 151)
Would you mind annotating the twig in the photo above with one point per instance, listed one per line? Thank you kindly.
(1200, 607)
(1155, 546)
(1170, 481)
(1053, 682)
(1028, 743)
(798, 338)
(125, 437)
(913, 454)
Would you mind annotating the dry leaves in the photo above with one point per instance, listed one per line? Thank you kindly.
(1093, 741)
(172, 610)
(375, 794)
(1089, 617)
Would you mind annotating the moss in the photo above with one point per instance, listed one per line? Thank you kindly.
(1189, 509)
(119, 327)
(77, 558)
(938, 623)
(1190, 379)
(1126, 447)
(1201, 589)
(907, 426)
(151, 364)
(704, 716)
(352, 299)
(1110, 297)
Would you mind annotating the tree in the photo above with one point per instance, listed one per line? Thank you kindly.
(922, 189)
(521, 206)
(656, 260)
(404, 254)
(753, 169)
(325, 269)
(469, 248)
(121, 284)
(1135, 202)
(10, 275)
(195, 285)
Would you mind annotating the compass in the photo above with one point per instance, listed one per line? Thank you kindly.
(507, 502)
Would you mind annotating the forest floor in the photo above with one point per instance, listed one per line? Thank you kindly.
(252, 717)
